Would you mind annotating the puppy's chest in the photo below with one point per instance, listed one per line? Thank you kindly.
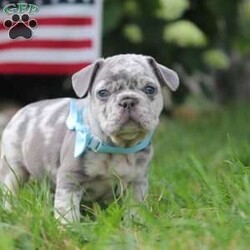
(110, 175)
(107, 166)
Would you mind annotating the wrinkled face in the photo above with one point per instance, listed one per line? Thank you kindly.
(127, 100)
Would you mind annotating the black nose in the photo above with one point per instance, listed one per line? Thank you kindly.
(128, 103)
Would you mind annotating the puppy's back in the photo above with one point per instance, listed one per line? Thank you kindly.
(33, 128)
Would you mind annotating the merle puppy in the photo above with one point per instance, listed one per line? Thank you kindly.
(88, 144)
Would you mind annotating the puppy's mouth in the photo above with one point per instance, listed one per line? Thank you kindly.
(129, 134)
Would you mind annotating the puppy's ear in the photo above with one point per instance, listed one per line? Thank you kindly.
(83, 79)
(164, 74)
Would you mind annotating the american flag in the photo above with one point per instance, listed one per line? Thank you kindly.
(67, 38)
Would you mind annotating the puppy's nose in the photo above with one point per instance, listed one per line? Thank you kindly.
(128, 103)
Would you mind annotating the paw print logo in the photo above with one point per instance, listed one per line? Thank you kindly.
(20, 26)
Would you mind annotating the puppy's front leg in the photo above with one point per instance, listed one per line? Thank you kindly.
(140, 189)
(67, 205)
(68, 196)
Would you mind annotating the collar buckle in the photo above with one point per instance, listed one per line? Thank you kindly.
(95, 144)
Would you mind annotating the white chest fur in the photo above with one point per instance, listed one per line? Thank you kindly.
(109, 172)
(125, 167)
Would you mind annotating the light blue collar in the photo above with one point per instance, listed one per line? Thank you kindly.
(85, 140)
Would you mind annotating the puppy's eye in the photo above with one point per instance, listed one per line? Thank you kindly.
(149, 90)
(103, 93)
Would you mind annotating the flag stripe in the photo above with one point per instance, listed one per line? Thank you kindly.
(70, 10)
(61, 21)
(46, 68)
(47, 55)
(73, 33)
(67, 21)
(56, 44)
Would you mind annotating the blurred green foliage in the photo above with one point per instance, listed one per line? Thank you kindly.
(171, 10)
(184, 34)
(133, 33)
(243, 41)
(199, 35)
(216, 59)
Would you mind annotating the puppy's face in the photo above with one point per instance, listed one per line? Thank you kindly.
(126, 98)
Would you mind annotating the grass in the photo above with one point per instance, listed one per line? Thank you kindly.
(199, 196)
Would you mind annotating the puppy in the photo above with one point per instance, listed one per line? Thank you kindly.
(87, 145)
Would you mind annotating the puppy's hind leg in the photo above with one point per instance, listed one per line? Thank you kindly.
(12, 178)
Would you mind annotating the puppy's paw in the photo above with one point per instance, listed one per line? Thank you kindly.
(7, 205)
(134, 216)
(67, 218)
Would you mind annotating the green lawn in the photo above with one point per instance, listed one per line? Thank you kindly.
(199, 196)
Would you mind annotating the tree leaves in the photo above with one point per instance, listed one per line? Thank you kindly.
(184, 34)
(216, 59)
(172, 9)
(133, 32)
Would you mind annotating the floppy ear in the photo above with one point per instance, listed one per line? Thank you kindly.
(83, 79)
(164, 74)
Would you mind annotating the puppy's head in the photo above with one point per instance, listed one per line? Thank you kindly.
(125, 94)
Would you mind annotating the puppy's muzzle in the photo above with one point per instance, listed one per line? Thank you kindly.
(128, 103)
